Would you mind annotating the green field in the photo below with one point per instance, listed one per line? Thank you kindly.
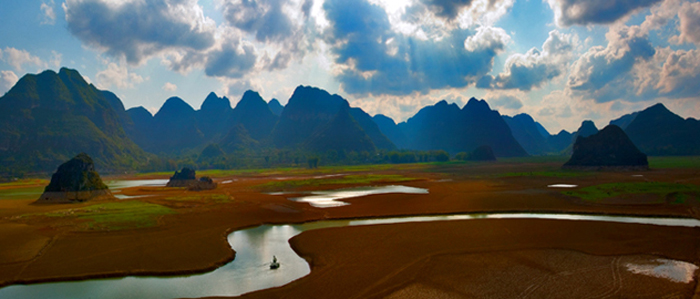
(680, 192)
(344, 180)
(113, 215)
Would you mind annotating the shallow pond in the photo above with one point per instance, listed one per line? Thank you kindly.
(256, 246)
(330, 198)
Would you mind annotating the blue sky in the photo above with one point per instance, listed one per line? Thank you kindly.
(561, 61)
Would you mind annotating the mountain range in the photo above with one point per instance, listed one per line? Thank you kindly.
(47, 118)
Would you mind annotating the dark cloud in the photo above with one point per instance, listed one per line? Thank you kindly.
(264, 18)
(232, 61)
(585, 12)
(534, 68)
(139, 29)
(381, 61)
(599, 67)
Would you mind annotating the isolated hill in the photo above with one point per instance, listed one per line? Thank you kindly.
(255, 115)
(275, 107)
(48, 118)
(444, 126)
(391, 130)
(658, 131)
(75, 181)
(527, 132)
(343, 133)
(609, 148)
(213, 117)
(586, 129)
(624, 120)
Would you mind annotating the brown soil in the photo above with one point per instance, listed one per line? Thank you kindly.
(402, 255)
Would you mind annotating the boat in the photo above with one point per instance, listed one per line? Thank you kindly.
(275, 264)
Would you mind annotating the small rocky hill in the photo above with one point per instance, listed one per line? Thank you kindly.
(610, 148)
(75, 181)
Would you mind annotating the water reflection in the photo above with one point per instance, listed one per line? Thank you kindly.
(330, 198)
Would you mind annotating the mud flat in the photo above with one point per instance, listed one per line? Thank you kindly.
(187, 231)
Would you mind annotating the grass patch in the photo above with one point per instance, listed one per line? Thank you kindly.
(551, 174)
(217, 198)
(25, 182)
(345, 180)
(116, 215)
(21, 193)
(602, 191)
(674, 162)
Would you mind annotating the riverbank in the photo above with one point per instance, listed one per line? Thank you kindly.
(192, 238)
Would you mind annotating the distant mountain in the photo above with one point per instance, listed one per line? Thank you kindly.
(341, 133)
(174, 128)
(307, 110)
(527, 132)
(311, 112)
(214, 116)
(608, 148)
(559, 142)
(624, 120)
(255, 115)
(542, 130)
(586, 129)
(391, 130)
(658, 131)
(275, 107)
(370, 127)
(238, 139)
(446, 127)
(48, 118)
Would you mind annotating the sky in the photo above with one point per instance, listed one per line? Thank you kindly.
(561, 61)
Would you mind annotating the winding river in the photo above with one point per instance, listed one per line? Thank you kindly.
(254, 249)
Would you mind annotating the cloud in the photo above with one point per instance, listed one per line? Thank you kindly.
(48, 13)
(373, 59)
(689, 16)
(587, 12)
(450, 13)
(117, 75)
(18, 58)
(680, 74)
(506, 102)
(7, 80)
(169, 86)
(136, 30)
(233, 60)
(599, 72)
(534, 68)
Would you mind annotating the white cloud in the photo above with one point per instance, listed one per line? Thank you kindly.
(487, 38)
(48, 13)
(689, 16)
(117, 75)
(534, 68)
(56, 59)
(169, 86)
(18, 58)
(7, 80)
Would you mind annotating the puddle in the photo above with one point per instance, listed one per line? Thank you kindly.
(330, 198)
(675, 271)
(562, 186)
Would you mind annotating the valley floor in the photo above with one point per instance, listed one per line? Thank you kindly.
(174, 231)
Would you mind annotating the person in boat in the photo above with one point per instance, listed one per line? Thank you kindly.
(274, 264)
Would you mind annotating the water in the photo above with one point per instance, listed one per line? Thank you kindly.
(330, 198)
(254, 250)
(118, 185)
(562, 186)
